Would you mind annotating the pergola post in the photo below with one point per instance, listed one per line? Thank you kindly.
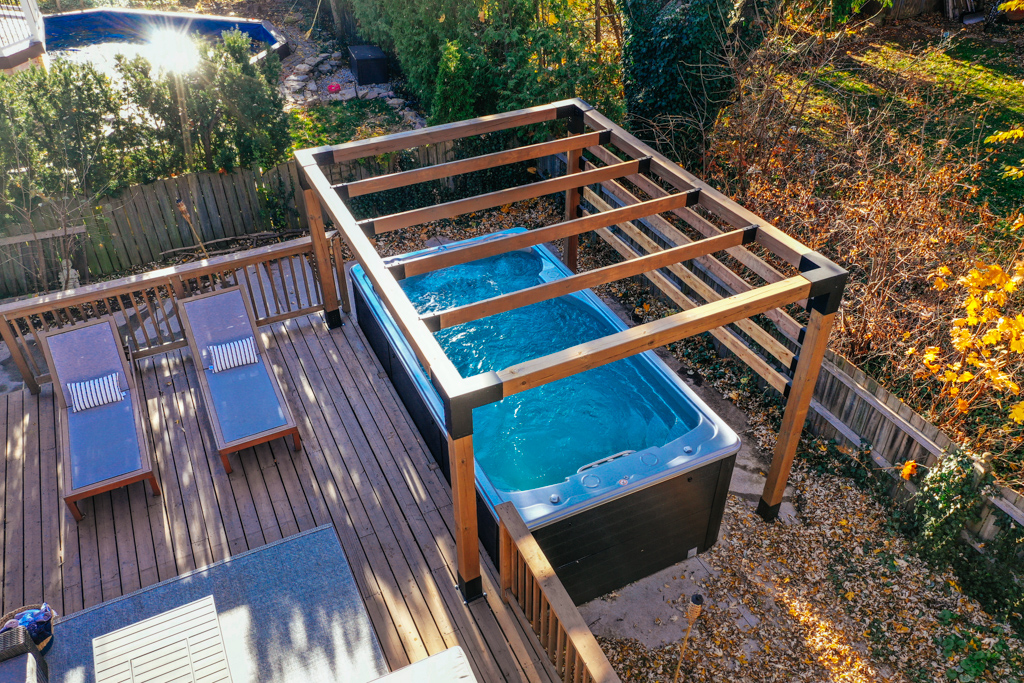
(322, 254)
(808, 364)
(467, 540)
(574, 162)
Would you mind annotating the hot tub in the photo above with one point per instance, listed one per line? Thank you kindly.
(619, 471)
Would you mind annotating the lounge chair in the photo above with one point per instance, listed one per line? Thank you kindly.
(242, 397)
(102, 439)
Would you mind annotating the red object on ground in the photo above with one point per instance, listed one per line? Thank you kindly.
(333, 88)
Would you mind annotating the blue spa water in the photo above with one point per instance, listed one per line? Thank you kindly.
(541, 436)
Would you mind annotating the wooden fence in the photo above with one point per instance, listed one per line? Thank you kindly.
(143, 225)
(280, 280)
(538, 599)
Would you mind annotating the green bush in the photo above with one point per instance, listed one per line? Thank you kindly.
(496, 56)
(70, 130)
(454, 89)
(235, 115)
(674, 72)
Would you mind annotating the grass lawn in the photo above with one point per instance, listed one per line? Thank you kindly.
(339, 122)
(983, 76)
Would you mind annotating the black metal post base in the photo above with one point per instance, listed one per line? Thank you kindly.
(472, 589)
(768, 513)
(333, 319)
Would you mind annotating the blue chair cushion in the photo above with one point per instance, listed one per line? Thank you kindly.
(103, 443)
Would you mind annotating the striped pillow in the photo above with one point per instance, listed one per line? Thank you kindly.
(94, 392)
(233, 354)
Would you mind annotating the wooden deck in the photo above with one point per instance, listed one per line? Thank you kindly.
(363, 469)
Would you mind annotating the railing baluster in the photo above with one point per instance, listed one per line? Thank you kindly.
(133, 307)
(570, 660)
(295, 284)
(544, 621)
(152, 316)
(127, 318)
(560, 649)
(35, 335)
(504, 561)
(163, 295)
(554, 626)
(303, 267)
(536, 612)
(249, 291)
(284, 286)
(263, 294)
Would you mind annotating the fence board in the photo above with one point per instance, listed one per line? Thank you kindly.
(225, 209)
(197, 206)
(158, 222)
(152, 217)
(149, 247)
(253, 200)
(127, 250)
(167, 190)
(236, 183)
(169, 213)
(206, 197)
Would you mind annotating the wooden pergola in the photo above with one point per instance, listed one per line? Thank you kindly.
(817, 284)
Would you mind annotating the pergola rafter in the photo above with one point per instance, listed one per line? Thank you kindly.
(818, 284)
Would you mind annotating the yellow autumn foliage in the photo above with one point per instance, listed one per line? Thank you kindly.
(987, 343)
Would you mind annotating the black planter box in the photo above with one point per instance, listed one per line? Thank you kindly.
(368, 63)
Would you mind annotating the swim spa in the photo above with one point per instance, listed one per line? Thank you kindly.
(619, 471)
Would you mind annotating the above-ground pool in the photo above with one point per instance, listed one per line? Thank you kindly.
(98, 35)
(619, 471)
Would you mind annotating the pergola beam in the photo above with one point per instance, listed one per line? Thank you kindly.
(581, 281)
(592, 354)
(405, 219)
(440, 368)
(336, 154)
(778, 242)
(472, 252)
(449, 169)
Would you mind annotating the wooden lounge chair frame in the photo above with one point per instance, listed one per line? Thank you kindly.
(224, 448)
(73, 495)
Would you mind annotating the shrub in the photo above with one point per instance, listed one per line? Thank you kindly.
(235, 115)
(675, 74)
(454, 89)
(500, 56)
(70, 131)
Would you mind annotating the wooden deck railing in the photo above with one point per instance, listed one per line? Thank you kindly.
(281, 282)
(529, 585)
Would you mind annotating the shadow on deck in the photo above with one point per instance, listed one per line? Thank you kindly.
(363, 468)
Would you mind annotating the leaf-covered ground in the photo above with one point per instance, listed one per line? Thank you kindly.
(835, 595)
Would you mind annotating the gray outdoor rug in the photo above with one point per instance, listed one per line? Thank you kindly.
(288, 611)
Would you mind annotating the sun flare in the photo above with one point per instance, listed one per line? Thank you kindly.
(172, 51)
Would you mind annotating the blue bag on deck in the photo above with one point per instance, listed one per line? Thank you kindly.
(38, 623)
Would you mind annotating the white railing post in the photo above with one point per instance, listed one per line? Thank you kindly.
(34, 20)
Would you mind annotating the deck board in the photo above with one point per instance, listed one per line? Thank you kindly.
(363, 468)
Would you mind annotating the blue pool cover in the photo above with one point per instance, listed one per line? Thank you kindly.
(541, 445)
(79, 29)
